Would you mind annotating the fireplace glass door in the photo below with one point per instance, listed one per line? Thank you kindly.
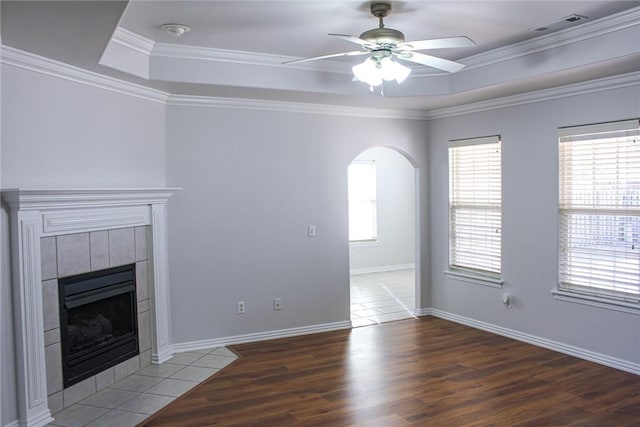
(98, 321)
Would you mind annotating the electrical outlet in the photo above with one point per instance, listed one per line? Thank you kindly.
(241, 307)
(277, 304)
(507, 300)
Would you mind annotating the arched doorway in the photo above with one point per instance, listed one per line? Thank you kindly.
(382, 236)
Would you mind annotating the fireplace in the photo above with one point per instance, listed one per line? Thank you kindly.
(83, 221)
(98, 321)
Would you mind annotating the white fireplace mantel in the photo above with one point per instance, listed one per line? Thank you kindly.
(49, 212)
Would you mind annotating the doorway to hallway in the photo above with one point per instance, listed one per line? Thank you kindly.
(382, 237)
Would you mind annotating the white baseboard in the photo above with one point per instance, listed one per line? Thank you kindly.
(623, 365)
(381, 269)
(260, 336)
(12, 424)
(613, 362)
(423, 312)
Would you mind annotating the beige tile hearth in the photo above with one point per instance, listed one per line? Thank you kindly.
(132, 399)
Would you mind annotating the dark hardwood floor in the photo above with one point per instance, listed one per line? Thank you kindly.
(427, 371)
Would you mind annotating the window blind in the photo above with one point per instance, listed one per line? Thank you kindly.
(475, 205)
(599, 236)
(363, 206)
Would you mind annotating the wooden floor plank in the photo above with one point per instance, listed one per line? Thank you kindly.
(425, 371)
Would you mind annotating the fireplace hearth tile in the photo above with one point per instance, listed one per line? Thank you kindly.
(223, 351)
(99, 250)
(144, 330)
(164, 370)
(53, 362)
(77, 416)
(194, 373)
(73, 254)
(143, 306)
(214, 361)
(108, 398)
(145, 358)
(51, 337)
(122, 248)
(50, 304)
(186, 358)
(55, 402)
(105, 379)
(147, 391)
(142, 280)
(146, 403)
(126, 368)
(117, 418)
(79, 391)
(48, 258)
(136, 382)
(172, 387)
(141, 243)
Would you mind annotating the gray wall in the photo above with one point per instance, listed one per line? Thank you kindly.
(396, 214)
(60, 134)
(530, 222)
(253, 180)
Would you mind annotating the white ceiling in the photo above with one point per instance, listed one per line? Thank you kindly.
(301, 28)
(235, 48)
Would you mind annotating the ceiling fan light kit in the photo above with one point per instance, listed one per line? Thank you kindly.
(374, 70)
(385, 46)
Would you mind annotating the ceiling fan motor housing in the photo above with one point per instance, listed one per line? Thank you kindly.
(383, 36)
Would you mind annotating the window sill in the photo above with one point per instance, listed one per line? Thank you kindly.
(478, 279)
(597, 301)
(362, 243)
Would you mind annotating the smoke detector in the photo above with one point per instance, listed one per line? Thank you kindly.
(176, 30)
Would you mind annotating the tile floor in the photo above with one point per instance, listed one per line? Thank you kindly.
(382, 297)
(136, 397)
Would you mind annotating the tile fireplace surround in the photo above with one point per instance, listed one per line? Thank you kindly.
(39, 215)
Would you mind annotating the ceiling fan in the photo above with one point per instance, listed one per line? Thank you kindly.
(386, 45)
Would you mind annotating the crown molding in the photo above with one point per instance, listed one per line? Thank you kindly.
(25, 60)
(556, 39)
(541, 43)
(170, 50)
(32, 62)
(293, 107)
(133, 41)
(606, 83)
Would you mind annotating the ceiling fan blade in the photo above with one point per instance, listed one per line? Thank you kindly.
(353, 39)
(431, 61)
(444, 43)
(334, 55)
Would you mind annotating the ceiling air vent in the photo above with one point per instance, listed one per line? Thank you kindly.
(561, 23)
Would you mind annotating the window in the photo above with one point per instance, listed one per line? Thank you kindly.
(599, 238)
(475, 207)
(363, 206)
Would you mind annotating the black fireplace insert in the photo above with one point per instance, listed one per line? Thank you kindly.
(98, 321)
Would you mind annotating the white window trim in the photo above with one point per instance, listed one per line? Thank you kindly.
(479, 279)
(595, 300)
(585, 296)
(460, 272)
(364, 243)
